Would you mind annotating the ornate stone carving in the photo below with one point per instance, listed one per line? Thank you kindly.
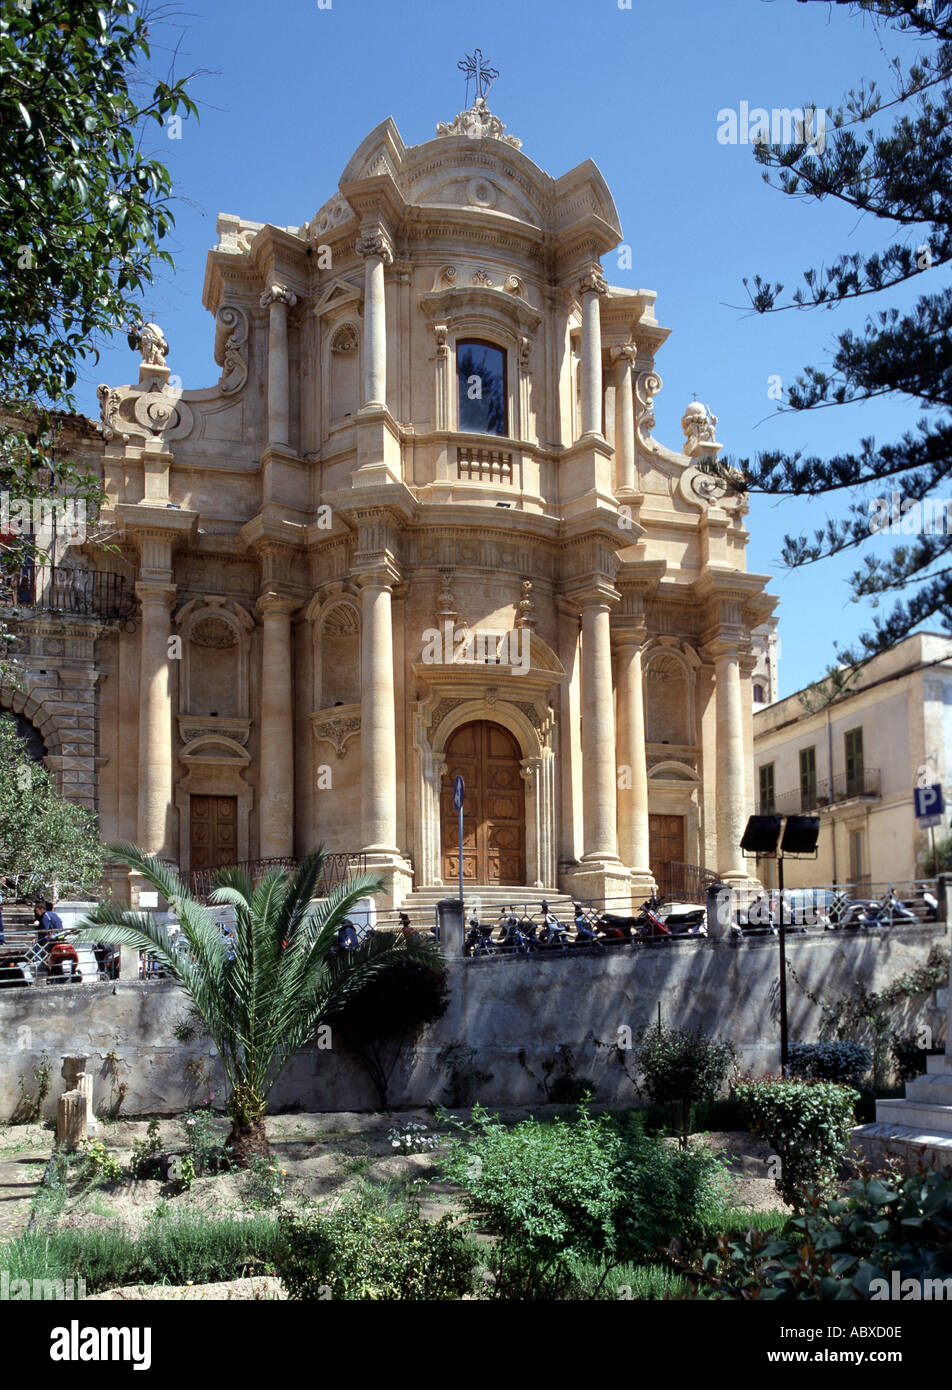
(525, 617)
(152, 345)
(345, 339)
(337, 730)
(593, 282)
(699, 427)
(278, 294)
(448, 275)
(110, 424)
(375, 243)
(647, 386)
(232, 322)
(515, 286)
(525, 352)
(214, 632)
(445, 603)
(440, 329)
(628, 351)
(478, 123)
(480, 277)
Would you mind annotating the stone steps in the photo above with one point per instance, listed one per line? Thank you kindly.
(924, 1117)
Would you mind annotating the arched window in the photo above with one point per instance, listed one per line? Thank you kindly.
(481, 388)
(758, 695)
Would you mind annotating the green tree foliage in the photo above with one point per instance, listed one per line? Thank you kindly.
(889, 157)
(263, 993)
(83, 212)
(683, 1069)
(47, 843)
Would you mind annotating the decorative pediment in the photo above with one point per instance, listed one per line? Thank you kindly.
(214, 747)
(340, 294)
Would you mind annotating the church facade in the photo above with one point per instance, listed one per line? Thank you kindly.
(419, 528)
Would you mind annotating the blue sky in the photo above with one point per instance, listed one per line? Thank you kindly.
(291, 89)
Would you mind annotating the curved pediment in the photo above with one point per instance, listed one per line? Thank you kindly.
(472, 165)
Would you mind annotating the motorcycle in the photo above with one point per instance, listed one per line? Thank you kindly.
(550, 934)
(513, 938)
(479, 939)
(585, 933)
(681, 919)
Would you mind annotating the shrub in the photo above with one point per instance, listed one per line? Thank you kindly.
(144, 1149)
(846, 1062)
(882, 1228)
(808, 1124)
(170, 1250)
(582, 1192)
(368, 1249)
(910, 1056)
(681, 1069)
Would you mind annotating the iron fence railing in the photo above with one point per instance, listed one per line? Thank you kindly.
(337, 869)
(74, 593)
(805, 801)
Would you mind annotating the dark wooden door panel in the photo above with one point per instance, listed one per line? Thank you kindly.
(487, 757)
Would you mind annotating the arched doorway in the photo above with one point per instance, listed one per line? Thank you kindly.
(488, 759)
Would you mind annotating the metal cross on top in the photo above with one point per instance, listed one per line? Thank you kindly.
(477, 70)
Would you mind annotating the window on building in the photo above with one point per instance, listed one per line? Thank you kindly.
(807, 779)
(758, 695)
(767, 797)
(857, 857)
(481, 385)
(853, 742)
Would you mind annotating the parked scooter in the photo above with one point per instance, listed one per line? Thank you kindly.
(586, 934)
(681, 919)
(513, 938)
(479, 939)
(549, 934)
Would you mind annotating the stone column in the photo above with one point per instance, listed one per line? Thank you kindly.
(153, 831)
(375, 247)
(731, 809)
(278, 299)
(624, 420)
(377, 719)
(598, 734)
(593, 285)
(276, 774)
(633, 789)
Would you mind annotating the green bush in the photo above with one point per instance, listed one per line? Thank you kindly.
(591, 1192)
(369, 1249)
(168, 1250)
(846, 1062)
(882, 1228)
(910, 1056)
(808, 1124)
(682, 1068)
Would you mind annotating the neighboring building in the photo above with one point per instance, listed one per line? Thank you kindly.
(856, 763)
(420, 527)
(765, 679)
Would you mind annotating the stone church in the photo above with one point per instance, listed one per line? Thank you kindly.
(419, 528)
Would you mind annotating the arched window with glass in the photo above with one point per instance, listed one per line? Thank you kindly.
(481, 387)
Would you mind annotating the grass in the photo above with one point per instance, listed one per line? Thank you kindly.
(167, 1250)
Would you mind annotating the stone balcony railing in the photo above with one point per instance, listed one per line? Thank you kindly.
(865, 785)
(56, 590)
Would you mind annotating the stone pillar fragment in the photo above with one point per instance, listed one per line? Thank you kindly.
(155, 721)
(71, 1127)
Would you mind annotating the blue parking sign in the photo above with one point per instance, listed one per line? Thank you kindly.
(929, 804)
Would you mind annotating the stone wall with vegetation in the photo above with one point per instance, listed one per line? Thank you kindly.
(516, 1031)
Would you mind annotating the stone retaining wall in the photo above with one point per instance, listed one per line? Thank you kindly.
(507, 1019)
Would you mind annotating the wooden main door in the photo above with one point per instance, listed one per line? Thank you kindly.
(665, 847)
(487, 758)
(213, 822)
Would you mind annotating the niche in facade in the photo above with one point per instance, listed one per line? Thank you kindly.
(344, 372)
(666, 701)
(339, 657)
(214, 683)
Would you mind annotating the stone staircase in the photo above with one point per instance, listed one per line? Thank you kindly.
(923, 1121)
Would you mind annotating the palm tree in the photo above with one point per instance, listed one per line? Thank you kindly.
(262, 994)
